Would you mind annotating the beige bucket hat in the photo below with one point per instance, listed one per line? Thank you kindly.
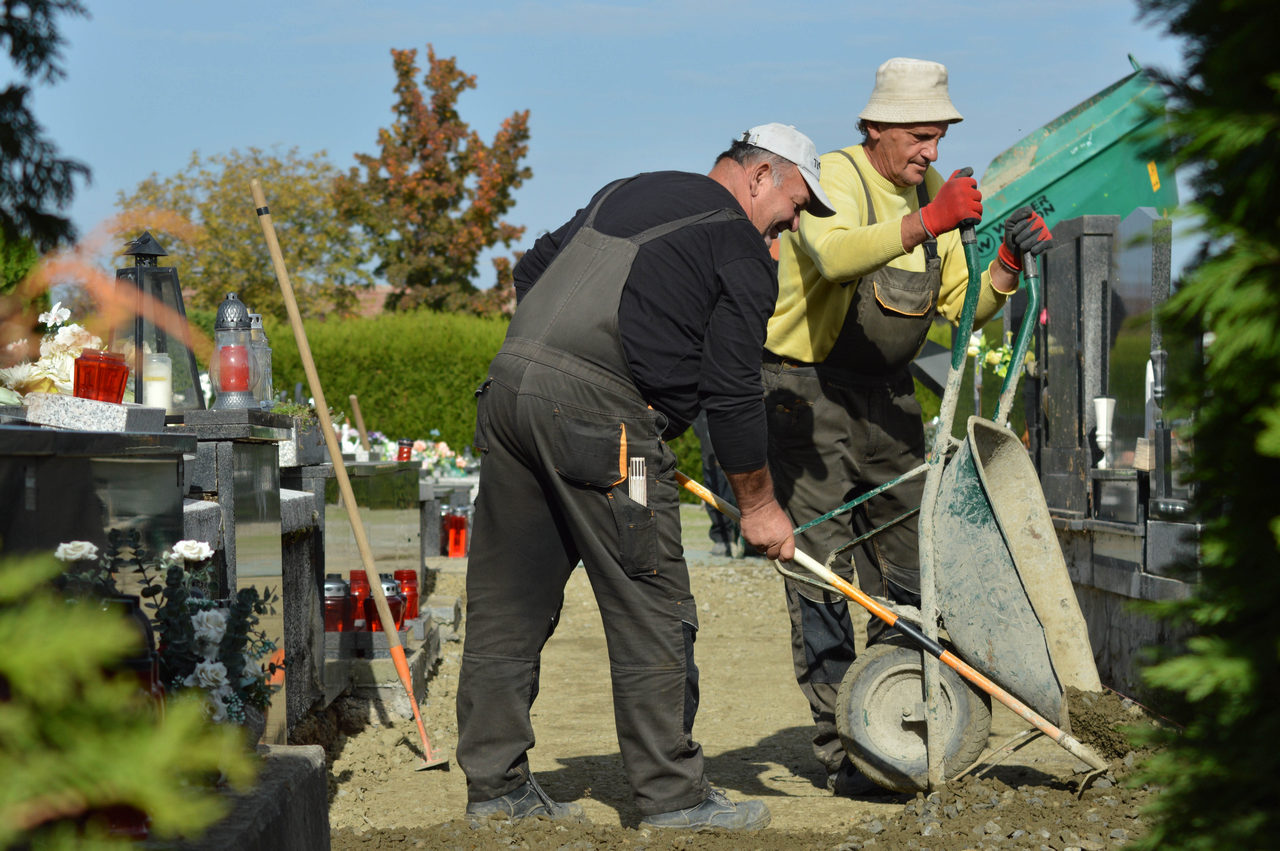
(910, 91)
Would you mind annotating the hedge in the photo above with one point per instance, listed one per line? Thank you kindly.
(411, 372)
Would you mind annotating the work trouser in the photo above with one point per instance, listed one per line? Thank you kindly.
(832, 437)
(548, 498)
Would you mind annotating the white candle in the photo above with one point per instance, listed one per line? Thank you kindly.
(157, 381)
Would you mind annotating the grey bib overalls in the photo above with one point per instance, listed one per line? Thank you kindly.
(837, 429)
(557, 421)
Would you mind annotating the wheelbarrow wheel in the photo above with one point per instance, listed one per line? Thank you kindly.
(880, 715)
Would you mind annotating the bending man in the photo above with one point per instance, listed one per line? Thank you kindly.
(649, 304)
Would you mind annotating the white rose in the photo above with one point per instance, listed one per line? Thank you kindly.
(218, 709)
(207, 675)
(209, 625)
(75, 551)
(192, 550)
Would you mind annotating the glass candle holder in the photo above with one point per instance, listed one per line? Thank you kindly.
(408, 580)
(337, 604)
(101, 376)
(157, 381)
(395, 602)
(359, 595)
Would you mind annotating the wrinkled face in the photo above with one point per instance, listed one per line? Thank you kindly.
(777, 208)
(902, 153)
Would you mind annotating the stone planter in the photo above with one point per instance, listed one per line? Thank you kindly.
(305, 449)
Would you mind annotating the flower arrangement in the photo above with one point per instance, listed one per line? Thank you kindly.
(214, 646)
(996, 357)
(435, 456)
(53, 372)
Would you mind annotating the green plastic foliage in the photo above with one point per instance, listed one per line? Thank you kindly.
(76, 738)
(1221, 775)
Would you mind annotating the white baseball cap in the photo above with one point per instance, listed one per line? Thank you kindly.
(790, 144)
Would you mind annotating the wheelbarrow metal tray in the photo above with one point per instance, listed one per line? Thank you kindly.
(1003, 587)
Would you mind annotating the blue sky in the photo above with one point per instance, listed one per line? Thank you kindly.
(613, 88)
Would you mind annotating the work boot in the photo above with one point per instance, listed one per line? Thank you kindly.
(527, 801)
(848, 782)
(717, 812)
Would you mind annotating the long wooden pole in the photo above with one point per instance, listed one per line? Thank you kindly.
(431, 758)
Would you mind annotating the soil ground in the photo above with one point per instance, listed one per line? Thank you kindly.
(754, 727)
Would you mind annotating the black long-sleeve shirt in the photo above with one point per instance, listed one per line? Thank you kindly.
(693, 312)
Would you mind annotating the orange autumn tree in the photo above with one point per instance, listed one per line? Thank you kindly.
(432, 200)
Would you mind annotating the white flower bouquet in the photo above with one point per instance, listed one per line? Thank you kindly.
(54, 370)
(202, 643)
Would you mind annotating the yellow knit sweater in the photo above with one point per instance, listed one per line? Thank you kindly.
(825, 252)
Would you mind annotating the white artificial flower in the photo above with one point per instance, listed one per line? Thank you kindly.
(70, 339)
(209, 626)
(58, 369)
(207, 675)
(75, 551)
(218, 709)
(189, 550)
(17, 376)
(56, 316)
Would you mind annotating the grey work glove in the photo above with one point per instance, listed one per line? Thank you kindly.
(1025, 232)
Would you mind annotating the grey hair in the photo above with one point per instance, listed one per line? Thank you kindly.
(745, 154)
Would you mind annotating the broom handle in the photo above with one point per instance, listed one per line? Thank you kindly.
(326, 422)
(355, 412)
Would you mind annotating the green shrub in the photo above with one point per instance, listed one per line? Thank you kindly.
(410, 372)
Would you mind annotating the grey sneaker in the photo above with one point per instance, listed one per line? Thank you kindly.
(716, 812)
(527, 801)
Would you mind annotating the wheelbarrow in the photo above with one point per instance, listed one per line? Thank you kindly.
(1000, 583)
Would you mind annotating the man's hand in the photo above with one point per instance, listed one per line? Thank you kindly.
(957, 200)
(765, 525)
(1025, 232)
(768, 529)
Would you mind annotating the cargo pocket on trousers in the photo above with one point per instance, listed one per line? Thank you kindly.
(594, 453)
(637, 535)
(590, 453)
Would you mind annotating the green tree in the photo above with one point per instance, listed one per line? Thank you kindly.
(34, 182)
(433, 198)
(227, 252)
(16, 260)
(1222, 773)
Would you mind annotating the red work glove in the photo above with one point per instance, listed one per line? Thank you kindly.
(1025, 232)
(957, 200)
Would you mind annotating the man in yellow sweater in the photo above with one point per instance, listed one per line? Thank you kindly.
(857, 293)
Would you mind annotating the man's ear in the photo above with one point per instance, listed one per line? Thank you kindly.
(760, 172)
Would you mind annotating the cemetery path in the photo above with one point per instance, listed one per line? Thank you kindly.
(753, 725)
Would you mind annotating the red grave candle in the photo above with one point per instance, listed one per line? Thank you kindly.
(233, 368)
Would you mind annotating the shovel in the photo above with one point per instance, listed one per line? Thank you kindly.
(1072, 745)
(430, 758)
